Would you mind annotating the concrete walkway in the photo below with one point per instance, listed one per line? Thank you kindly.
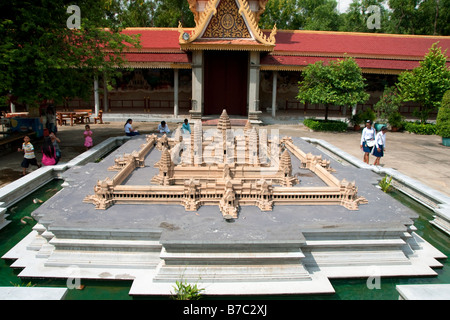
(423, 158)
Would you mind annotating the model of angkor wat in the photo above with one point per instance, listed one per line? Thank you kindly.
(225, 167)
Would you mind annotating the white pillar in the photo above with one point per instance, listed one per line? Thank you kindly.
(175, 92)
(96, 98)
(13, 107)
(197, 85)
(274, 93)
(105, 93)
(253, 88)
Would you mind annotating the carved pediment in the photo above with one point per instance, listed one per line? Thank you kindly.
(227, 22)
(231, 20)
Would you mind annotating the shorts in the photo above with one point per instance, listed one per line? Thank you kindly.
(26, 162)
(376, 153)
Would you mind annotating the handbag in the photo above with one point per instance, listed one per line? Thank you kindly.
(370, 143)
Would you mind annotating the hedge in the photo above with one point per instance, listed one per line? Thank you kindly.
(420, 128)
(322, 125)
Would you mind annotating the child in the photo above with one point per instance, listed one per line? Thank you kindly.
(186, 127)
(56, 141)
(163, 128)
(88, 142)
(29, 157)
(129, 131)
(48, 152)
(380, 145)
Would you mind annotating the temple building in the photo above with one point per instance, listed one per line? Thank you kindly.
(228, 62)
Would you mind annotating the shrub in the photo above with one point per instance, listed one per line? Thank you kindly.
(186, 291)
(395, 119)
(420, 128)
(443, 117)
(368, 114)
(322, 125)
(386, 184)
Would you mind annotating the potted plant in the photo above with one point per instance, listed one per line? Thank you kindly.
(356, 121)
(443, 120)
(368, 114)
(395, 120)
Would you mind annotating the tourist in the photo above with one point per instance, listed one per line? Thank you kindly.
(367, 140)
(186, 127)
(163, 128)
(29, 157)
(88, 142)
(51, 119)
(380, 145)
(129, 131)
(48, 152)
(56, 141)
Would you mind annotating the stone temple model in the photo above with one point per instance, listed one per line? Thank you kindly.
(227, 168)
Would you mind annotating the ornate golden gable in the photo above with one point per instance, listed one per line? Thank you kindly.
(230, 20)
(227, 22)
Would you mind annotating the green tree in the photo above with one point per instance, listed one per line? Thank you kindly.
(284, 13)
(40, 58)
(169, 12)
(429, 17)
(132, 13)
(336, 83)
(443, 117)
(324, 17)
(403, 16)
(301, 14)
(427, 83)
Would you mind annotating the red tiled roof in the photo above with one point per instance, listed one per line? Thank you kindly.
(301, 47)
(156, 39)
(158, 57)
(356, 44)
(365, 63)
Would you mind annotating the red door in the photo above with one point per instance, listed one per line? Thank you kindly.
(225, 85)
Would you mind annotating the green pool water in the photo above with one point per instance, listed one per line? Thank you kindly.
(346, 289)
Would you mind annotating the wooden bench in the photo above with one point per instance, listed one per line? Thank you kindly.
(89, 111)
(99, 117)
(62, 119)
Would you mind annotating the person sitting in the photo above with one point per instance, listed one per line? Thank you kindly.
(163, 128)
(129, 131)
(186, 127)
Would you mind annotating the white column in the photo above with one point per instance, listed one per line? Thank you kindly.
(175, 92)
(274, 93)
(13, 107)
(197, 85)
(105, 93)
(253, 88)
(96, 98)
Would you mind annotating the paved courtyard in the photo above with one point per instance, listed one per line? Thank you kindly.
(423, 158)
